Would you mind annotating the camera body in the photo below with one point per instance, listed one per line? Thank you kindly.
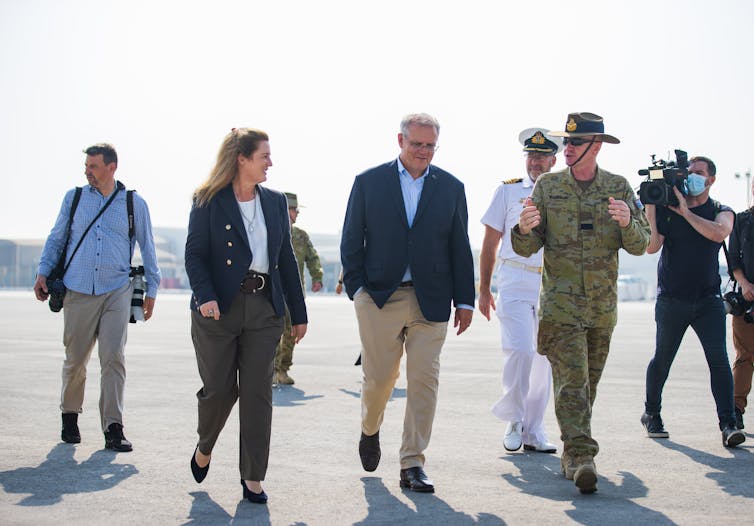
(736, 305)
(662, 177)
(56, 289)
(137, 296)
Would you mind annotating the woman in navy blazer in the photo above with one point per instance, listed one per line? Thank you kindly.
(243, 273)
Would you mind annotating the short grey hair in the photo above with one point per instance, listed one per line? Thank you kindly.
(419, 119)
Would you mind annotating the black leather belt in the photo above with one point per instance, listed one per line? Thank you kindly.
(254, 282)
(406, 284)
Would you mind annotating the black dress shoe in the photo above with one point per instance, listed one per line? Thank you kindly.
(256, 498)
(416, 480)
(199, 473)
(369, 451)
(70, 432)
(115, 440)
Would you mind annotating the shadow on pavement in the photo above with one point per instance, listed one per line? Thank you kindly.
(733, 475)
(60, 475)
(398, 392)
(384, 508)
(206, 511)
(540, 476)
(288, 396)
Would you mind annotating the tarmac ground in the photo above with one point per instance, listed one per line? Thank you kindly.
(314, 476)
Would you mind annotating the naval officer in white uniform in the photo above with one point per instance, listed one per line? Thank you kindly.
(526, 375)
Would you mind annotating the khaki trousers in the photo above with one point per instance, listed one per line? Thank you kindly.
(743, 367)
(235, 357)
(86, 319)
(384, 334)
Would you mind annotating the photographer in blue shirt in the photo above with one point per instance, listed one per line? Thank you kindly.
(97, 304)
(688, 294)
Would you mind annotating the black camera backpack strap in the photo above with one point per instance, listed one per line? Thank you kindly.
(61, 267)
(118, 187)
(131, 223)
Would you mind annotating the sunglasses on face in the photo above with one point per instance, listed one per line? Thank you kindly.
(576, 141)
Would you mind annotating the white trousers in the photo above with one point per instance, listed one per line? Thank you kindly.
(526, 377)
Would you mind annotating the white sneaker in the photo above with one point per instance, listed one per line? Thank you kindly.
(541, 447)
(512, 439)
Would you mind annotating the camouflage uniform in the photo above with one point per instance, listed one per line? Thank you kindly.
(578, 299)
(305, 253)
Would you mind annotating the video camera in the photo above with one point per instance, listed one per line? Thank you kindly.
(662, 176)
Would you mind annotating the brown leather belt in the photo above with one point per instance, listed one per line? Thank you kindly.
(254, 282)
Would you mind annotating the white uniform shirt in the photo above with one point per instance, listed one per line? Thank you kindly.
(503, 214)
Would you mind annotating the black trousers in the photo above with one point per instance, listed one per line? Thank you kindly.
(235, 356)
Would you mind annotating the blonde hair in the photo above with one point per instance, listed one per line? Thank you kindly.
(244, 141)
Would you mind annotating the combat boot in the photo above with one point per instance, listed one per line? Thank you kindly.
(567, 467)
(284, 379)
(585, 476)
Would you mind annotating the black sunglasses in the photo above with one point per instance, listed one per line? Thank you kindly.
(576, 141)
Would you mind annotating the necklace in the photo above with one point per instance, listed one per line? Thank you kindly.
(249, 222)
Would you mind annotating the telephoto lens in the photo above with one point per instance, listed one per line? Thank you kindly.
(137, 298)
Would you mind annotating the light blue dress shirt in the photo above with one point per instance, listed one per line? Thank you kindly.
(102, 262)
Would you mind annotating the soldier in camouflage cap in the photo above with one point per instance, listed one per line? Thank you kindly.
(581, 216)
(305, 253)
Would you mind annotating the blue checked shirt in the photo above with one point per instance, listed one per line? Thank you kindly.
(102, 262)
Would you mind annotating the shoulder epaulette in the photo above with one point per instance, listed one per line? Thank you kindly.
(513, 181)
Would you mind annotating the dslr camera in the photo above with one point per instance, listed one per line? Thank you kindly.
(662, 177)
(137, 297)
(56, 289)
(736, 305)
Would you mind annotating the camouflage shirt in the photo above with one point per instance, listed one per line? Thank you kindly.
(581, 242)
(305, 253)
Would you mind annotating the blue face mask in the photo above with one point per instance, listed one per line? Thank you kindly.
(696, 184)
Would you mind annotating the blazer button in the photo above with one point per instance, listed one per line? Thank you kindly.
(228, 262)
(230, 243)
(227, 227)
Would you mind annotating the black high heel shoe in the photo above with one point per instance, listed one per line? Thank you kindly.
(256, 498)
(199, 473)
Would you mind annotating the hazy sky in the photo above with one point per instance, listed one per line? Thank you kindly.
(329, 81)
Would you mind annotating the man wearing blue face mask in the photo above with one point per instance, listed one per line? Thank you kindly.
(688, 294)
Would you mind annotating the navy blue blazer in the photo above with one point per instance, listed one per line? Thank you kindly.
(218, 254)
(377, 244)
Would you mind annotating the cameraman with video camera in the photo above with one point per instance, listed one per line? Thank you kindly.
(688, 284)
(741, 265)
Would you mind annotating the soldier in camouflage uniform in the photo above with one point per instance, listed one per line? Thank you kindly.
(581, 216)
(305, 253)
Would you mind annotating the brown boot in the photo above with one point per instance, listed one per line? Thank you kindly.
(567, 467)
(284, 379)
(585, 476)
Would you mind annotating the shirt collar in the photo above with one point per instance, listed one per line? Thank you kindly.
(403, 172)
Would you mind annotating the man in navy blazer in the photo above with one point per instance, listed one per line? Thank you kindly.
(406, 256)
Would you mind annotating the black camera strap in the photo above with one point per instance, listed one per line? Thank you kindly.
(61, 267)
(131, 223)
(118, 187)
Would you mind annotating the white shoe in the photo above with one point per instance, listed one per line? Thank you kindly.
(512, 439)
(540, 447)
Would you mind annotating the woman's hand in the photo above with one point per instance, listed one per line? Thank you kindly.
(212, 310)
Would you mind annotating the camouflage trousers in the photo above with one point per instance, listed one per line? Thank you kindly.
(577, 356)
(284, 351)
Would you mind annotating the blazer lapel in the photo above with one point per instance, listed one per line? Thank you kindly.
(229, 204)
(270, 218)
(393, 185)
(430, 183)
